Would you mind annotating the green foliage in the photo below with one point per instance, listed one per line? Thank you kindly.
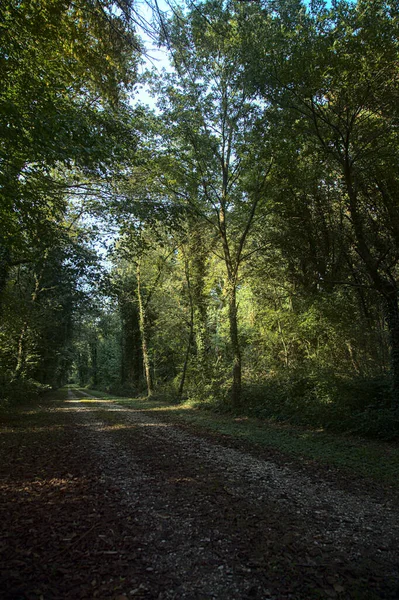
(65, 125)
(38, 306)
(257, 220)
(21, 391)
(64, 68)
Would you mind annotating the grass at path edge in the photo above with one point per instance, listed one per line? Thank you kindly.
(376, 460)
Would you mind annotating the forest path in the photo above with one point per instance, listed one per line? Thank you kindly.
(100, 501)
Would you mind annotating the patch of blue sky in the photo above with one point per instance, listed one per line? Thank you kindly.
(155, 56)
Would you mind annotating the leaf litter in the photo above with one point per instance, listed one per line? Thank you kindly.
(105, 502)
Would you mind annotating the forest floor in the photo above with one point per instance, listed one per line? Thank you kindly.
(103, 501)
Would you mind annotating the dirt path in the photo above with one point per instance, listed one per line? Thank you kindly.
(102, 502)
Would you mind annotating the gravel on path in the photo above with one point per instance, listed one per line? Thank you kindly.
(107, 502)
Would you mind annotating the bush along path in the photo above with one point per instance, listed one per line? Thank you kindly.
(102, 501)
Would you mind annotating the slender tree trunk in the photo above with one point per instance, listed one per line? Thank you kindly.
(4, 270)
(131, 353)
(22, 342)
(83, 367)
(143, 333)
(280, 330)
(235, 346)
(202, 344)
(94, 361)
(191, 333)
(352, 356)
(21, 357)
(187, 356)
(146, 362)
(122, 368)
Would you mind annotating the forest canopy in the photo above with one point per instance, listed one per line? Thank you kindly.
(250, 211)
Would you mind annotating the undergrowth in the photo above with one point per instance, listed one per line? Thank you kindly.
(358, 406)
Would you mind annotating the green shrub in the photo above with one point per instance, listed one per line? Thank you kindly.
(22, 390)
(380, 423)
(322, 399)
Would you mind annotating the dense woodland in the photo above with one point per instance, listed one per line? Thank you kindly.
(235, 241)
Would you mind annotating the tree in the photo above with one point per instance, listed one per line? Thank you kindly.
(211, 161)
(41, 300)
(65, 68)
(142, 259)
(65, 126)
(346, 102)
(132, 360)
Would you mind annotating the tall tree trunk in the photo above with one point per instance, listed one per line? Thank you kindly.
(232, 271)
(235, 346)
(143, 333)
(22, 342)
(21, 356)
(122, 367)
(191, 332)
(94, 361)
(131, 353)
(83, 367)
(202, 344)
(187, 356)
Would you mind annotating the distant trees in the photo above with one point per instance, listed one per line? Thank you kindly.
(274, 138)
(40, 303)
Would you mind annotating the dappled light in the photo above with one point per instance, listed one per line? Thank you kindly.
(34, 429)
(83, 401)
(189, 480)
(36, 486)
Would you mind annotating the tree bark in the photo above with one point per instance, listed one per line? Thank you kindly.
(94, 360)
(191, 333)
(143, 333)
(235, 346)
(21, 357)
(131, 351)
(187, 356)
(4, 270)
